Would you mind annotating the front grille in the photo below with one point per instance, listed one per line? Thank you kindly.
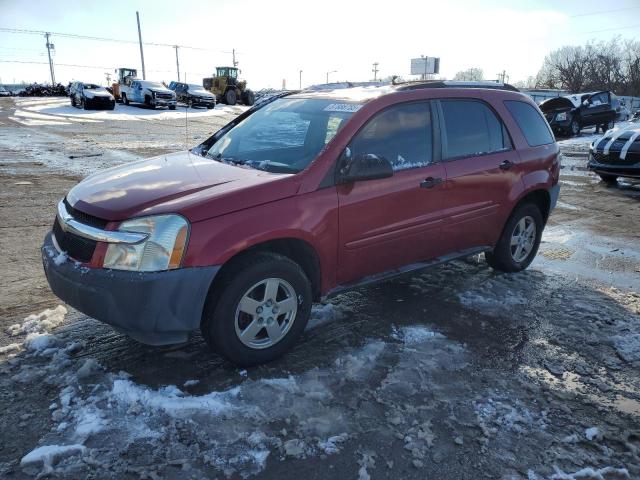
(76, 247)
(164, 95)
(84, 217)
(613, 158)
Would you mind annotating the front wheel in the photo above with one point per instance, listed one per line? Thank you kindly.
(125, 100)
(230, 97)
(608, 179)
(258, 309)
(172, 107)
(520, 239)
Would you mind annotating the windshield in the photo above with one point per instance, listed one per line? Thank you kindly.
(285, 135)
(91, 86)
(152, 85)
(197, 88)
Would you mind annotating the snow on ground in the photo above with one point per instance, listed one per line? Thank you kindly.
(99, 415)
(57, 111)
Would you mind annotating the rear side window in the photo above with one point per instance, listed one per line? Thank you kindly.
(401, 134)
(534, 128)
(471, 128)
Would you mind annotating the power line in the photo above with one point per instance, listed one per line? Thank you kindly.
(602, 11)
(98, 67)
(105, 39)
(609, 29)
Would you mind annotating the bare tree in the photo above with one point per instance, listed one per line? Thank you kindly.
(470, 75)
(612, 65)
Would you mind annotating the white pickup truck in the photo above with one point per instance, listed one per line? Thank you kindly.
(151, 94)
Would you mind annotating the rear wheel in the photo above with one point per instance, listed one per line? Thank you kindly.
(608, 179)
(258, 309)
(125, 100)
(248, 97)
(73, 101)
(520, 239)
(230, 97)
(172, 107)
(574, 128)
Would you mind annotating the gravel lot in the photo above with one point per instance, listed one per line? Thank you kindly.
(457, 373)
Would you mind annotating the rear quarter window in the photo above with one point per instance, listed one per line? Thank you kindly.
(533, 126)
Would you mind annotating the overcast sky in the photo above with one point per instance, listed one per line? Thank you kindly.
(275, 39)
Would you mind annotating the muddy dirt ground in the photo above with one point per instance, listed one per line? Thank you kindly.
(459, 372)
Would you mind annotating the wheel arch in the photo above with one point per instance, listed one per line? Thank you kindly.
(295, 249)
(540, 197)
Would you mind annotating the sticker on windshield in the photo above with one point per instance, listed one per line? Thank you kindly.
(342, 107)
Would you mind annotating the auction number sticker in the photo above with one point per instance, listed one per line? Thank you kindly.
(342, 107)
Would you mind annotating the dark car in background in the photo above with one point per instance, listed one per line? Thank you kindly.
(90, 96)
(617, 154)
(192, 94)
(569, 114)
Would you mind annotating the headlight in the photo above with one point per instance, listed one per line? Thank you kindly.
(162, 250)
(561, 117)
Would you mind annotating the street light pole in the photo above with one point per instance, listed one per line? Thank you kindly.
(332, 71)
(300, 86)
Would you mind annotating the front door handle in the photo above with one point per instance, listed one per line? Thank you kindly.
(430, 182)
(506, 164)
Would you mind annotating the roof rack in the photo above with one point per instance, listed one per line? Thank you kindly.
(416, 85)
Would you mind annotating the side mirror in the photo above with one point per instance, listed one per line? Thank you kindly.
(364, 167)
(586, 103)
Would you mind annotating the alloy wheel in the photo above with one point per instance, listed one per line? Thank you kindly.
(523, 239)
(266, 313)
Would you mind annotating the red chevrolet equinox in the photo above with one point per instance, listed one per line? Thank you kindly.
(301, 197)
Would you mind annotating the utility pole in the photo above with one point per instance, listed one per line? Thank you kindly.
(503, 76)
(233, 52)
(300, 86)
(144, 74)
(50, 47)
(177, 62)
(375, 71)
(332, 71)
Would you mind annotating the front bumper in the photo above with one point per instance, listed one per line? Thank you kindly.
(554, 193)
(162, 102)
(627, 171)
(156, 308)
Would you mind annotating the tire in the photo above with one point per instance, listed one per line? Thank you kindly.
(248, 98)
(147, 102)
(73, 102)
(608, 179)
(230, 97)
(172, 107)
(112, 106)
(84, 104)
(504, 256)
(608, 126)
(224, 322)
(125, 100)
(574, 128)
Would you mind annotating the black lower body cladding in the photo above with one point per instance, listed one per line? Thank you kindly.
(156, 308)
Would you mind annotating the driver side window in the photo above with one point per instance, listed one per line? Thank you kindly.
(402, 134)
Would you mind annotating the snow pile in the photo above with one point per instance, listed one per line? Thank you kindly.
(42, 322)
(607, 473)
(48, 455)
(321, 314)
(39, 342)
(627, 347)
(494, 415)
(498, 295)
(414, 334)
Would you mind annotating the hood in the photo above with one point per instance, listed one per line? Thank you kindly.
(185, 183)
(96, 93)
(201, 93)
(558, 103)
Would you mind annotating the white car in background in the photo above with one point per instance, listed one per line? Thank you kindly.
(151, 94)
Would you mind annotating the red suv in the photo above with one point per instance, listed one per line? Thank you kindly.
(299, 198)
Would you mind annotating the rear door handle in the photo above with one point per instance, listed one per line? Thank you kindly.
(506, 164)
(430, 182)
